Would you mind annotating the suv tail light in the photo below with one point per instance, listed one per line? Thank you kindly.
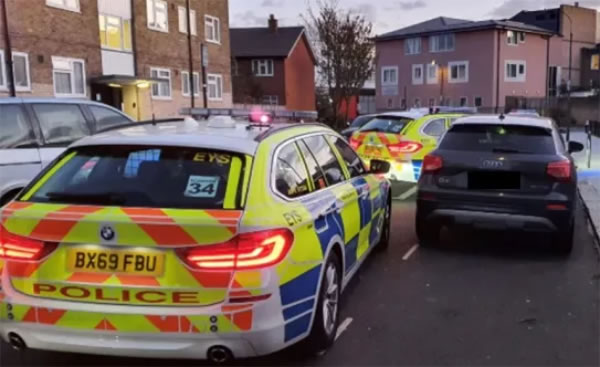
(432, 163)
(560, 170)
(405, 147)
(354, 143)
(18, 248)
(246, 251)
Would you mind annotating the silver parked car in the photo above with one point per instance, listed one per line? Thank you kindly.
(35, 131)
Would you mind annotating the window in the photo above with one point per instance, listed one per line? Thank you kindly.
(353, 162)
(389, 75)
(72, 5)
(463, 102)
(262, 67)
(185, 83)
(115, 33)
(594, 63)
(158, 15)
(183, 21)
(291, 178)
(521, 37)
(435, 128)
(69, 77)
(2, 71)
(459, 72)
(15, 131)
(162, 89)
(21, 71)
(146, 177)
(314, 170)
(514, 38)
(515, 71)
(432, 73)
(212, 29)
(215, 87)
(431, 102)
(417, 74)
(417, 102)
(441, 43)
(478, 101)
(412, 46)
(329, 163)
(388, 125)
(61, 124)
(270, 100)
(106, 118)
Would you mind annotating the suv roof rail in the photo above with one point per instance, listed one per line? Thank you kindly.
(142, 123)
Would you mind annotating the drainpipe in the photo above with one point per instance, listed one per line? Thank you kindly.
(498, 72)
(133, 39)
(191, 57)
(547, 71)
(8, 61)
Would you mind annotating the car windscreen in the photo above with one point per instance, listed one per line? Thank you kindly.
(143, 176)
(390, 125)
(360, 121)
(499, 138)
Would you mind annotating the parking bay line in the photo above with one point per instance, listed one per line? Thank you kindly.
(343, 327)
(410, 192)
(410, 252)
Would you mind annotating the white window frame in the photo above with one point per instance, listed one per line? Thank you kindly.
(121, 30)
(182, 15)
(417, 80)
(437, 49)
(509, 38)
(216, 29)
(158, 71)
(27, 71)
(257, 64)
(62, 4)
(4, 85)
(458, 80)
(389, 68)
(417, 103)
(521, 36)
(185, 75)
(475, 99)
(218, 79)
(416, 47)
(150, 3)
(72, 71)
(433, 80)
(274, 100)
(519, 78)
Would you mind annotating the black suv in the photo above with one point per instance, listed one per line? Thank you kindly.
(500, 172)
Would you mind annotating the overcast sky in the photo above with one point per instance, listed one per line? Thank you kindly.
(388, 15)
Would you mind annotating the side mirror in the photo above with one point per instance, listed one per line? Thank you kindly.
(379, 167)
(575, 147)
(347, 123)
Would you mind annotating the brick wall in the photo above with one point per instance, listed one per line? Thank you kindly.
(42, 31)
(300, 78)
(251, 89)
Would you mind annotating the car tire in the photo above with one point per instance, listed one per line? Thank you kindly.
(428, 233)
(384, 242)
(564, 241)
(326, 319)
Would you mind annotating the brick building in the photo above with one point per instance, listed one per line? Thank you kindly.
(273, 66)
(132, 54)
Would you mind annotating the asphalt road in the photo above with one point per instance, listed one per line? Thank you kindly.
(491, 299)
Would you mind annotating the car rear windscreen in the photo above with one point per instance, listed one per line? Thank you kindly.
(389, 125)
(503, 138)
(144, 176)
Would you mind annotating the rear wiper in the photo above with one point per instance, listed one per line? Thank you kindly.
(103, 198)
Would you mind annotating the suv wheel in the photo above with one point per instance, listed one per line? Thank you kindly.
(384, 242)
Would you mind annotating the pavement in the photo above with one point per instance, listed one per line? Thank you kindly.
(489, 299)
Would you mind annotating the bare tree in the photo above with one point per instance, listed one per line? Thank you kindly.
(343, 44)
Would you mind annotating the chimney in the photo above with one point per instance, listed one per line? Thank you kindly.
(577, 4)
(273, 24)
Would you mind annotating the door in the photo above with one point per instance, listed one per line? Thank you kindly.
(61, 124)
(108, 95)
(19, 153)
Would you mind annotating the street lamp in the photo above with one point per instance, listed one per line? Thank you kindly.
(433, 63)
(570, 68)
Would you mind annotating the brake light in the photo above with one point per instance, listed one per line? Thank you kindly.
(354, 143)
(432, 163)
(560, 170)
(246, 251)
(405, 147)
(18, 248)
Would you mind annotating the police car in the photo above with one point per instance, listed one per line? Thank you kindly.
(190, 239)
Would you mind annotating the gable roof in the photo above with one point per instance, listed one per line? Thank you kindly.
(261, 42)
(444, 24)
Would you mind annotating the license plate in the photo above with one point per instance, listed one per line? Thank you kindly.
(100, 260)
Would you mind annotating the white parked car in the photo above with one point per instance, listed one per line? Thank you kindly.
(35, 131)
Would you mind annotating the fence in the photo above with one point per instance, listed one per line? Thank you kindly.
(582, 109)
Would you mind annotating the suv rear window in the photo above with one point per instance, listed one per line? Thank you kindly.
(155, 177)
(499, 138)
(390, 125)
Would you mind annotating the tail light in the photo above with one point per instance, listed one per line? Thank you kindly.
(246, 251)
(432, 163)
(15, 247)
(354, 143)
(405, 147)
(560, 170)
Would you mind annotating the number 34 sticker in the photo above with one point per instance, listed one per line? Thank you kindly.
(202, 186)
